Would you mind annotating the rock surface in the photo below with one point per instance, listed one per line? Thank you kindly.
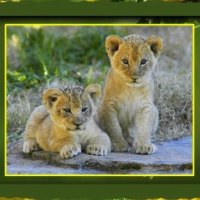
(173, 157)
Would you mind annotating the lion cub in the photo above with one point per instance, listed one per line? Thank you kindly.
(65, 123)
(127, 112)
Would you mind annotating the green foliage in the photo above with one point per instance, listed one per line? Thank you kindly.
(45, 56)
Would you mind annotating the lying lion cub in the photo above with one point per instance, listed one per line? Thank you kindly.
(127, 112)
(65, 123)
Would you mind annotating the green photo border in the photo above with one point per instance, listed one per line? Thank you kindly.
(99, 25)
(98, 187)
(99, 8)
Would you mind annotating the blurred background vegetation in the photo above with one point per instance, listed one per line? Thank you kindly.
(49, 53)
(42, 56)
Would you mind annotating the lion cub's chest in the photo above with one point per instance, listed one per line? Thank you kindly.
(128, 108)
(89, 132)
(83, 137)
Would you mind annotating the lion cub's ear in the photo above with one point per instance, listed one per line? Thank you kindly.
(112, 44)
(94, 92)
(156, 44)
(50, 96)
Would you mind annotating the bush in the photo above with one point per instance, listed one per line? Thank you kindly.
(43, 57)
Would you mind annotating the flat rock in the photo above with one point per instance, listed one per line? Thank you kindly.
(172, 157)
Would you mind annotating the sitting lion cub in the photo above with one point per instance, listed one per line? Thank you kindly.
(65, 123)
(127, 112)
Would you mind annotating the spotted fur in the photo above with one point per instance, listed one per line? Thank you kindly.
(65, 123)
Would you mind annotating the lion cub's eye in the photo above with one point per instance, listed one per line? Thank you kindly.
(143, 62)
(124, 61)
(53, 99)
(84, 109)
(67, 110)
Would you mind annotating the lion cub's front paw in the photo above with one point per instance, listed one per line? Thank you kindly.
(70, 150)
(96, 149)
(29, 146)
(144, 148)
(120, 146)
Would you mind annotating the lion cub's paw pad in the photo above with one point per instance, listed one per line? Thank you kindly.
(146, 148)
(69, 151)
(98, 150)
(30, 146)
(120, 146)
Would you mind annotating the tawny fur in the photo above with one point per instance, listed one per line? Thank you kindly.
(65, 123)
(127, 112)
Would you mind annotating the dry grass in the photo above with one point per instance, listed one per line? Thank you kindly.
(173, 99)
(19, 109)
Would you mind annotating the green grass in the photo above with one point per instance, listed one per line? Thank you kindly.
(42, 55)
(47, 56)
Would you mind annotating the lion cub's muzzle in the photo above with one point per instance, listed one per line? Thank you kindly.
(137, 75)
(134, 79)
(79, 124)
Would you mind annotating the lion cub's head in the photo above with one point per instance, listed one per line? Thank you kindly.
(72, 107)
(133, 57)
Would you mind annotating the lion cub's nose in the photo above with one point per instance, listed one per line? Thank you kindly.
(78, 122)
